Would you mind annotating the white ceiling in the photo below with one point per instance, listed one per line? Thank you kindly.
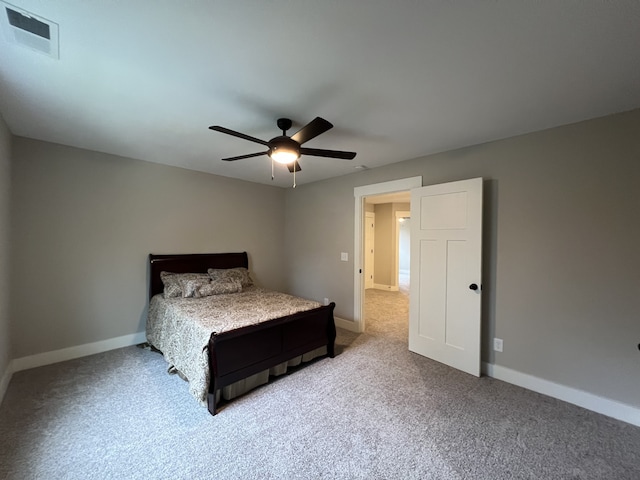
(145, 78)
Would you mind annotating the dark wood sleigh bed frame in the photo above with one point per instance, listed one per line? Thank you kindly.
(243, 352)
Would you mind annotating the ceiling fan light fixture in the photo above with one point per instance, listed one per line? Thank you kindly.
(285, 155)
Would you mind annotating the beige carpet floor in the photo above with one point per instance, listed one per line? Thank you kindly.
(375, 411)
(387, 313)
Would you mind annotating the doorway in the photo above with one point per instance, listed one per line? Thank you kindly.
(446, 232)
(361, 194)
(386, 286)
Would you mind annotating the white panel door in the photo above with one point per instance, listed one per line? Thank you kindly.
(369, 236)
(446, 257)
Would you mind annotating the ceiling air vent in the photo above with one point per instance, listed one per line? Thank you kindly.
(28, 30)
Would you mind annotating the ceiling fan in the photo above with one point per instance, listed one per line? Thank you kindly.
(287, 150)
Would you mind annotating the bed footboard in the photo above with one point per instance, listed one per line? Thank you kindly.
(246, 351)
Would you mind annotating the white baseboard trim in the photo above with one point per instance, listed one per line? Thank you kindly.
(388, 288)
(6, 378)
(605, 406)
(47, 358)
(347, 324)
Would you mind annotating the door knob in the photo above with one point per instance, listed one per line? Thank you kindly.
(473, 286)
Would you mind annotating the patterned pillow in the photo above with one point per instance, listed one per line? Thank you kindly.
(218, 288)
(191, 286)
(240, 274)
(205, 287)
(171, 282)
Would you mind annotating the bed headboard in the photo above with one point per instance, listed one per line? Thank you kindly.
(190, 263)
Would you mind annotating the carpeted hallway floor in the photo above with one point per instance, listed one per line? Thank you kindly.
(387, 313)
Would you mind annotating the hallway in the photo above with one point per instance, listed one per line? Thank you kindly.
(387, 313)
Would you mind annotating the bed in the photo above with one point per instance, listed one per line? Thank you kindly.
(232, 356)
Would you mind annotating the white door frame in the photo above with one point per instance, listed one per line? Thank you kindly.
(360, 193)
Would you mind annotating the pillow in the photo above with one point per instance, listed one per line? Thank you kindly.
(171, 282)
(240, 274)
(205, 287)
(218, 288)
(190, 286)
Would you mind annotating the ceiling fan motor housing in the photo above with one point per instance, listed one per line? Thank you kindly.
(284, 124)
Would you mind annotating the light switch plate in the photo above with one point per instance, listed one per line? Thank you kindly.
(344, 256)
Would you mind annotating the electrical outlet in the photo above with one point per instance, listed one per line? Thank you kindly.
(326, 301)
(344, 256)
(497, 344)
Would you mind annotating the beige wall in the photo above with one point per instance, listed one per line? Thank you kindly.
(385, 268)
(5, 189)
(561, 256)
(383, 252)
(84, 222)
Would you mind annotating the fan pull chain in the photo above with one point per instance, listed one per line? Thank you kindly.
(294, 175)
(272, 172)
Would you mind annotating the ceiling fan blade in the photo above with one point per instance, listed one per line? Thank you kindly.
(311, 130)
(238, 134)
(297, 167)
(319, 152)
(231, 159)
